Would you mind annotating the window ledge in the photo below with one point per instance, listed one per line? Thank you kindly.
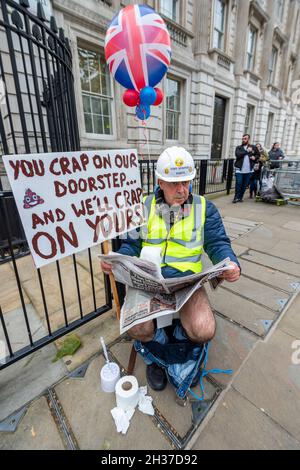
(178, 33)
(280, 36)
(274, 90)
(252, 77)
(257, 11)
(221, 58)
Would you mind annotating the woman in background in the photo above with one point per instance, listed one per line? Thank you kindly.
(257, 173)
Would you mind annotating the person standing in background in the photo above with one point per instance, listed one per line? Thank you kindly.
(276, 154)
(246, 156)
(255, 178)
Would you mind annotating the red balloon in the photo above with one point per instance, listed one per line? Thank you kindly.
(131, 98)
(159, 97)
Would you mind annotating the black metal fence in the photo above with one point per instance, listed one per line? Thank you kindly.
(38, 114)
(211, 177)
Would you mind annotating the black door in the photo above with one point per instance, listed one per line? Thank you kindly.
(218, 128)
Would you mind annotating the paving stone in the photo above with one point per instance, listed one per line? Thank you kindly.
(106, 325)
(17, 329)
(233, 233)
(288, 250)
(270, 381)
(291, 321)
(269, 276)
(179, 418)
(82, 258)
(73, 311)
(242, 311)
(260, 293)
(36, 431)
(28, 378)
(238, 227)
(280, 233)
(92, 422)
(229, 348)
(238, 425)
(262, 239)
(53, 296)
(273, 262)
(239, 221)
(238, 249)
(9, 293)
(292, 225)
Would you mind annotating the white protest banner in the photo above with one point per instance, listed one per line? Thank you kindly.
(74, 200)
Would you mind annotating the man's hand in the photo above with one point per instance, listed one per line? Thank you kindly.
(106, 267)
(233, 274)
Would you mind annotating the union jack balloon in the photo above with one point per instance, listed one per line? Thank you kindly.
(138, 47)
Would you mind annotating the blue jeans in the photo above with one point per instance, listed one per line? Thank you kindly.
(254, 182)
(241, 183)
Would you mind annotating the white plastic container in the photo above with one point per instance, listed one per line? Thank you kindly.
(109, 376)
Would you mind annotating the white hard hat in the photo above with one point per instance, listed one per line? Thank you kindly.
(175, 164)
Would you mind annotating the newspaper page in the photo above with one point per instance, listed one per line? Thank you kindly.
(144, 275)
(151, 296)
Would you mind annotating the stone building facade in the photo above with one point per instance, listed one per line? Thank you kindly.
(234, 69)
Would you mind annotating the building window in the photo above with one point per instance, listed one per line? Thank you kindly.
(249, 119)
(269, 130)
(96, 92)
(296, 28)
(170, 8)
(279, 8)
(295, 138)
(283, 134)
(252, 35)
(172, 108)
(272, 65)
(219, 25)
(289, 82)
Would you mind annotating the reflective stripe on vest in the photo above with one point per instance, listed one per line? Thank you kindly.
(181, 254)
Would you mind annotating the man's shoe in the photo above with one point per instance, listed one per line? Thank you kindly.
(235, 201)
(240, 200)
(156, 377)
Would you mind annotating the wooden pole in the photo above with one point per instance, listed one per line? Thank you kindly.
(113, 283)
(133, 353)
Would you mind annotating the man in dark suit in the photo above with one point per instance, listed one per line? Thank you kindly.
(246, 156)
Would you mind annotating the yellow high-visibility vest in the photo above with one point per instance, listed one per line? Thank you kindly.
(182, 244)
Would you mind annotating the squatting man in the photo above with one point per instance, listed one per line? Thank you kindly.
(184, 225)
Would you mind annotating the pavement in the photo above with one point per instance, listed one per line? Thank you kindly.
(45, 405)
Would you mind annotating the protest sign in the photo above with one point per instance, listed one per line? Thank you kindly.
(71, 201)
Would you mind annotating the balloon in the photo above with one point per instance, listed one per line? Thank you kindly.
(131, 98)
(138, 47)
(159, 97)
(148, 95)
(142, 111)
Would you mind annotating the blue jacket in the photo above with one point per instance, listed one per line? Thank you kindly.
(216, 243)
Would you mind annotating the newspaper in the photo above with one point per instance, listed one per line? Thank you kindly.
(151, 296)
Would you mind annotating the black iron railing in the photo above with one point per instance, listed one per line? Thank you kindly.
(38, 114)
(211, 177)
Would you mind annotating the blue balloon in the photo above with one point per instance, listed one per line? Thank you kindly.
(148, 95)
(142, 111)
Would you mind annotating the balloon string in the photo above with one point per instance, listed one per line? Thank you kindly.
(146, 135)
(141, 145)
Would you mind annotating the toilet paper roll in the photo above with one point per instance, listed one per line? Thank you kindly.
(109, 375)
(153, 254)
(127, 392)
